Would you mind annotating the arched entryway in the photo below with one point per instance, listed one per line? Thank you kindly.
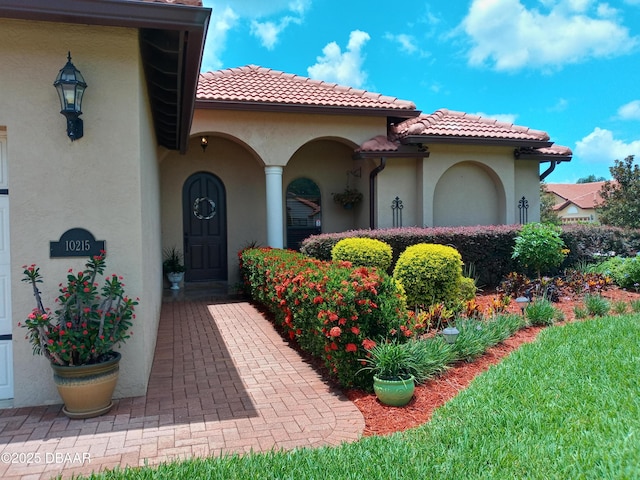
(468, 193)
(204, 214)
(304, 211)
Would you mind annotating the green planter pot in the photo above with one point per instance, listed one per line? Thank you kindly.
(394, 392)
(86, 390)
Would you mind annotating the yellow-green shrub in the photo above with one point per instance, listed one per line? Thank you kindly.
(467, 288)
(364, 252)
(430, 273)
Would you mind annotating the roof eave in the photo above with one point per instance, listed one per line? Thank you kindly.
(119, 13)
(303, 108)
(190, 21)
(468, 140)
(391, 154)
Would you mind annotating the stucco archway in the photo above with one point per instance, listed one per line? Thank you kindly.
(469, 193)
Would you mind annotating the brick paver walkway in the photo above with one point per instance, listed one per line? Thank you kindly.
(222, 381)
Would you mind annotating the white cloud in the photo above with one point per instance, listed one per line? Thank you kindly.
(560, 106)
(406, 42)
(260, 8)
(226, 15)
(601, 147)
(630, 111)
(344, 68)
(510, 36)
(268, 32)
(221, 22)
(501, 117)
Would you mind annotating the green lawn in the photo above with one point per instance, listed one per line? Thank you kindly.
(564, 407)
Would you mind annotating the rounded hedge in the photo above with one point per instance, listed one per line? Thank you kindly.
(430, 274)
(364, 252)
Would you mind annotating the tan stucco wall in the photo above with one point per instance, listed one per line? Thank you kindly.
(458, 185)
(244, 182)
(327, 162)
(527, 184)
(577, 214)
(241, 144)
(94, 183)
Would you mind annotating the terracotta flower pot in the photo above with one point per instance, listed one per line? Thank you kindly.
(86, 390)
(394, 392)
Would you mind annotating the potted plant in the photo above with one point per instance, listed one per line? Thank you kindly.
(394, 368)
(79, 338)
(348, 198)
(173, 267)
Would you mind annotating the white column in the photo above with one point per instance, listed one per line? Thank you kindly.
(275, 217)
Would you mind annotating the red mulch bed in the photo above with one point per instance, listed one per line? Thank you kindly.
(381, 419)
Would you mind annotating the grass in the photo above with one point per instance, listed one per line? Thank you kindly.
(565, 406)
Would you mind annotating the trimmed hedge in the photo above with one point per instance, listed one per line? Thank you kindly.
(333, 310)
(363, 252)
(488, 248)
(430, 274)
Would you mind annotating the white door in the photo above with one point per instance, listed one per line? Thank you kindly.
(6, 353)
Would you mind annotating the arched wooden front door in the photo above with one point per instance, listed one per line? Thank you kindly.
(205, 228)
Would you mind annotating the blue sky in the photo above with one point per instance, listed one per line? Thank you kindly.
(568, 67)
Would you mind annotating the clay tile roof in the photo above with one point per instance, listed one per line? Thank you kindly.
(254, 84)
(584, 195)
(448, 123)
(555, 150)
(379, 143)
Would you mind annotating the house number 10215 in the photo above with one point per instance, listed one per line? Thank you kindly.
(77, 245)
(76, 242)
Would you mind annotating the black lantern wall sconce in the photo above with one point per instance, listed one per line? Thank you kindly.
(204, 142)
(70, 85)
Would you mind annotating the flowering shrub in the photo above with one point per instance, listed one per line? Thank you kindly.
(334, 311)
(87, 324)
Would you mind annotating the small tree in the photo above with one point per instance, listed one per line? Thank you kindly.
(539, 247)
(620, 206)
(547, 202)
(590, 179)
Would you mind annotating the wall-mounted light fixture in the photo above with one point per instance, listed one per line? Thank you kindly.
(70, 85)
(204, 142)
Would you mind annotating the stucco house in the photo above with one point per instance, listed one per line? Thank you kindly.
(210, 163)
(576, 202)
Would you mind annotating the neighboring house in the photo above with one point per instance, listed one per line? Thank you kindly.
(210, 163)
(576, 202)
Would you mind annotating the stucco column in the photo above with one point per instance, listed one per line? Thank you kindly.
(275, 217)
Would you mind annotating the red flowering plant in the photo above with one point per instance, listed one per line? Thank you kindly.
(89, 321)
(332, 310)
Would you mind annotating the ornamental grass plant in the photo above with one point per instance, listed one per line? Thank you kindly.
(88, 323)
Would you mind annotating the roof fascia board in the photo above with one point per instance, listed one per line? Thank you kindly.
(297, 108)
(163, 16)
(488, 141)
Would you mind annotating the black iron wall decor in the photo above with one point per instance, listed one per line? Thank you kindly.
(396, 208)
(523, 206)
(70, 85)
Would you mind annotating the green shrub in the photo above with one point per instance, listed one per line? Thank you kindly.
(540, 312)
(620, 307)
(596, 305)
(365, 252)
(430, 274)
(468, 288)
(539, 247)
(635, 306)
